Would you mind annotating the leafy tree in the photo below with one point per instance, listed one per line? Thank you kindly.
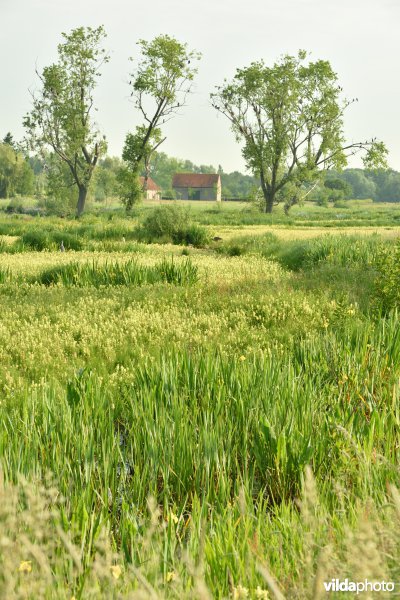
(61, 118)
(16, 175)
(60, 187)
(389, 186)
(290, 119)
(363, 186)
(105, 178)
(338, 189)
(160, 84)
(134, 147)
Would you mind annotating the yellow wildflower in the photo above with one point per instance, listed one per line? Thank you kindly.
(116, 571)
(173, 518)
(25, 566)
(240, 592)
(171, 576)
(242, 358)
(261, 594)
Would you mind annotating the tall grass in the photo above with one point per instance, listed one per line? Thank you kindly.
(221, 444)
(338, 250)
(233, 439)
(129, 273)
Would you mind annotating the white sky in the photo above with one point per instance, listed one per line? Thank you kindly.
(359, 37)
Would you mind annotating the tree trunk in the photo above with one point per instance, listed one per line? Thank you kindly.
(269, 203)
(269, 195)
(81, 200)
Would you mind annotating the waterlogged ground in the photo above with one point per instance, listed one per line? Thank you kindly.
(232, 434)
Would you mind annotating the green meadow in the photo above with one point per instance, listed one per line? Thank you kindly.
(199, 401)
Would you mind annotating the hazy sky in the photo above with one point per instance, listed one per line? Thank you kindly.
(359, 37)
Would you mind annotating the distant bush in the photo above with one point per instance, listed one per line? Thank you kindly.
(341, 204)
(15, 206)
(172, 224)
(235, 250)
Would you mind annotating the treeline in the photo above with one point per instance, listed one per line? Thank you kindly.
(34, 176)
(379, 185)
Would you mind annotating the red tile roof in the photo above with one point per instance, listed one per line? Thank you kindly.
(195, 180)
(151, 185)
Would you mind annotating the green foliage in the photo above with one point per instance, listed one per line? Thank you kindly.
(388, 186)
(39, 240)
(9, 139)
(339, 250)
(105, 179)
(61, 117)
(113, 273)
(128, 187)
(180, 423)
(160, 84)
(173, 224)
(16, 175)
(290, 120)
(362, 185)
(387, 284)
(376, 156)
(60, 197)
(5, 274)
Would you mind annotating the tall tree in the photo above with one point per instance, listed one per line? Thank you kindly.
(62, 114)
(290, 120)
(160, 84)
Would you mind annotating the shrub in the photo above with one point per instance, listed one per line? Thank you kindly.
(15, 206)
(172, 224)
(235, 250)
(194, 235)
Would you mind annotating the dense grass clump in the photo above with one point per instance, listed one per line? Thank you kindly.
(114, 273)
(387, 284)
(5, 274)
(37, 239)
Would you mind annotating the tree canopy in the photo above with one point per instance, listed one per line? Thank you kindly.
(62, 115)
(289, 118)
